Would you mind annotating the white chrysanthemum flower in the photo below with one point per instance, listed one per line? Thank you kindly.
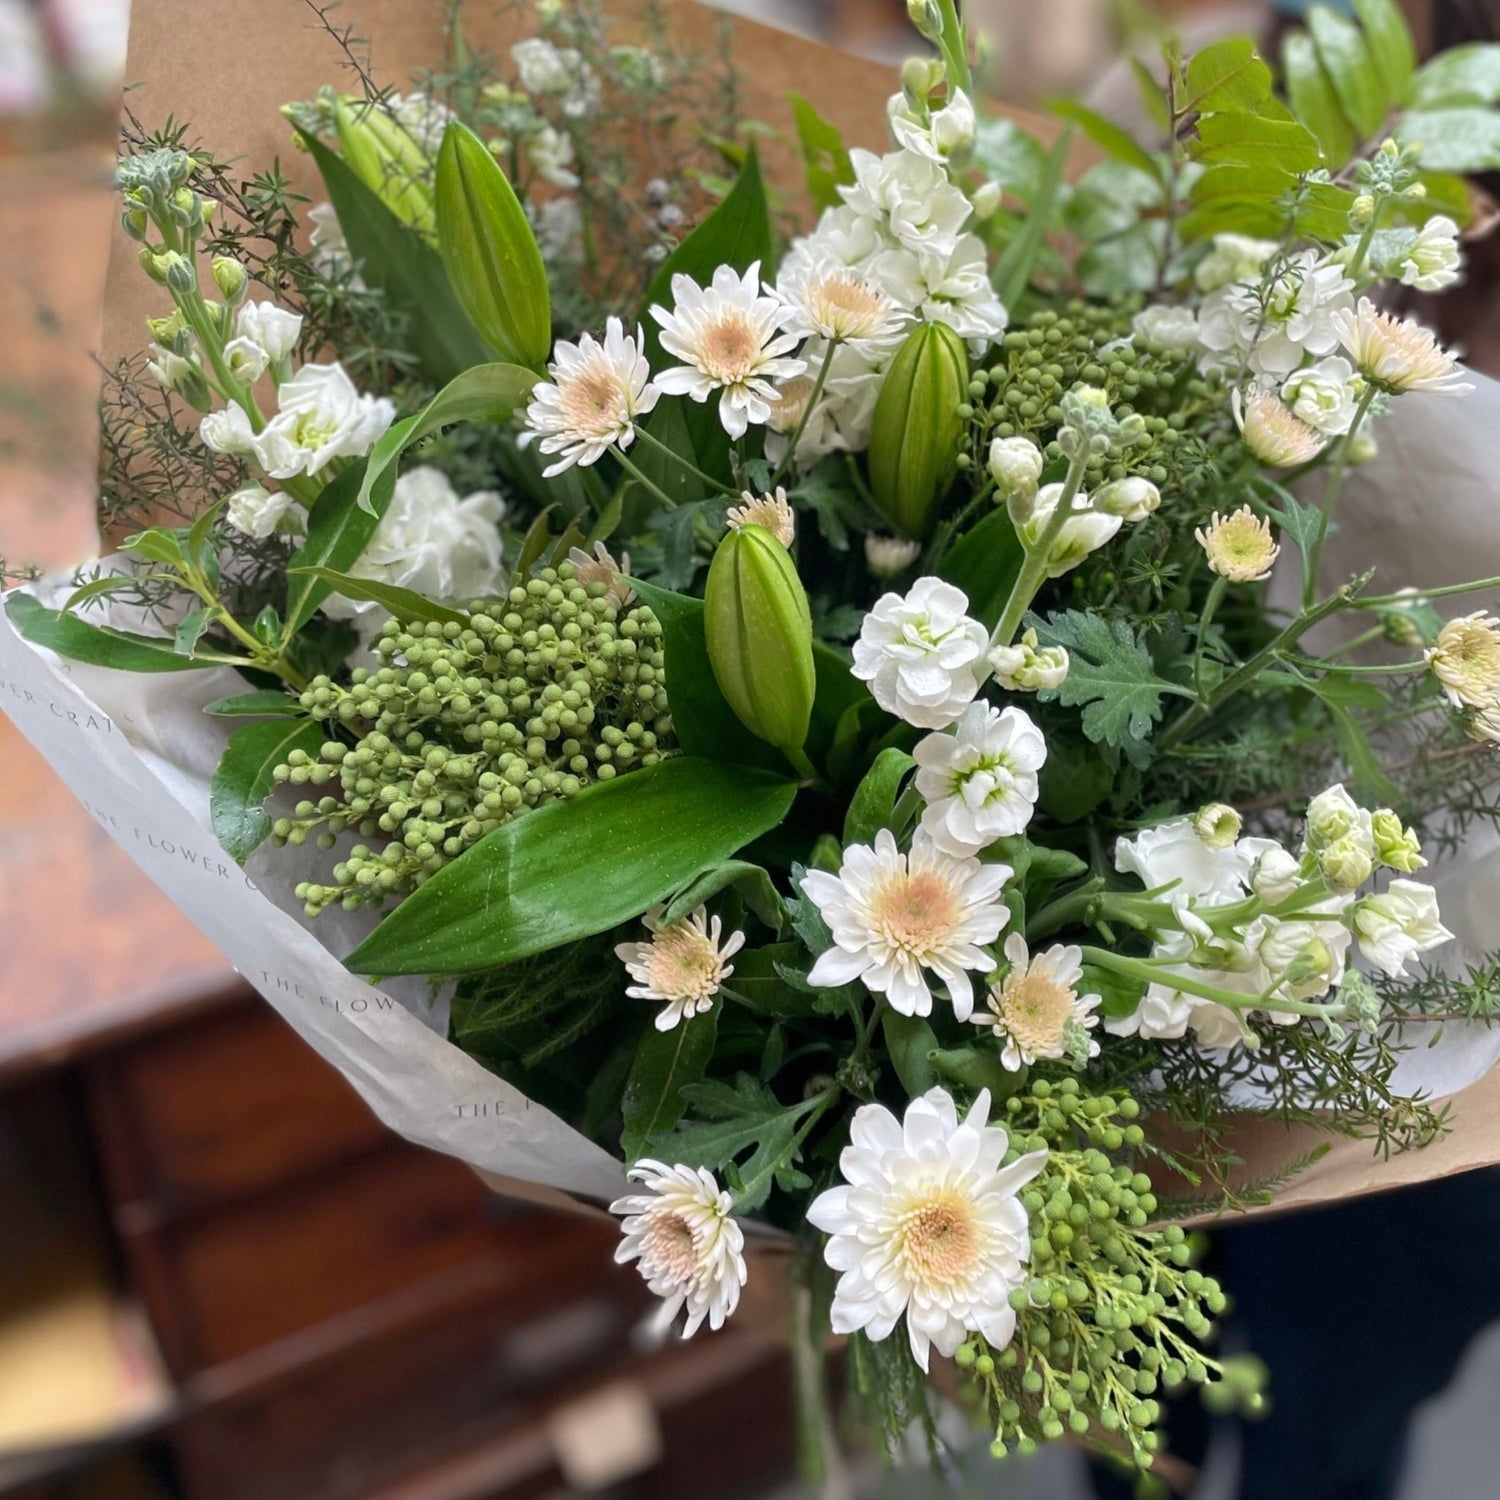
(1240, 547)
(979, 779)
(771, 511)
(929, 1224)
(937, 134)
(1036, 1009)
(432, 542)
(921, 654)
(320, 416)
(689, 1249)
(729, 337)
(911, 196)
(1085, 531)
(1016, 464)
(1274, 434)
(886, 556)
(1485, 725)
(1432, 262)
(597, 393)
(1323, 395)
(1233, 257)
(1273, 327)
(1166, 327)
(1398, 354)
(1465, 659)
(253, 510)
(228, 431)
(683, 965)
(1397, 925)
(894, 917)
(829, 300)
(273, 329)
(1027, 667)
(601, 567)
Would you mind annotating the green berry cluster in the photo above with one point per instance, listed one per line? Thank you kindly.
(1115, 1312)
(462, 726)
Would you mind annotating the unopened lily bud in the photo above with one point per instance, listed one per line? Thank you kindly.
(388, 161)
(1132, 498)
(986, 200)
(916, 428)
(886, 556)
(758, 630)
(1217, 824)
(230, 277)
(1395, 845)
(1027, 667)
(1016, 464)
(1346, 864)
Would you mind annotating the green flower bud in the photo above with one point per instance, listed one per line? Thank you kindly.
(759, 634)
(1217, 824)
(153, 262)
(915, 436)
(1396, 845)
(178, 273)
(230, 277)
(1346, 864)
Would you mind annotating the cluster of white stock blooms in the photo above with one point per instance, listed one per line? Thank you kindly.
(1268, 929)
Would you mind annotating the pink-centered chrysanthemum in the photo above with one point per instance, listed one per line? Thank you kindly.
(896, 917)
(689, 1249)
(1273, 432)
(1397, 354)
(683, 964)
(929, 1226)
(729, 336)
(596, 394)
(831, 301)
(1036, 1009)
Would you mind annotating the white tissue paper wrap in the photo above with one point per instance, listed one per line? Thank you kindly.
(139, 753)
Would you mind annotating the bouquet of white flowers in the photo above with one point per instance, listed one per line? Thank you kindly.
(802, 717)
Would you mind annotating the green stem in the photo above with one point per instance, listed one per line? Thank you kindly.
(1331, 496)
(682, 463)
(648, 485)
(818, 1455)
(1384, 601)
(1093, 904)
(1157, 973)
(804, 767)
(1210, 607)
(1343, 670)
(789, 457)
(1362, 250)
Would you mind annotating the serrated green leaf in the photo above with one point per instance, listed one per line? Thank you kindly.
(1303, 524)
(824, 158)
(1350, 68)
(101, 645)
(338, 529)
(1454, 140)
(1315, 100)
(525, 887)
(1226, 75)
(1110, 676)
(666, 1063)
(489, 250)
(263, 703)
(405, 604)
(1257, 140)
(243, 780)
(1390, 44)
(1461, 76)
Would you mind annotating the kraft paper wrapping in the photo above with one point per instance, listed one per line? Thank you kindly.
(139, 753)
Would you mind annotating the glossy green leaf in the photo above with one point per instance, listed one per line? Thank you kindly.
(405, 604)
(874, 798)
(910, 1042)
(1454, 140)
(263, 703)
(838, 694)
(1253, 140)
(487, 393)
(1463, 75)
(985, 562)
(101, 645)
(1152, 94)
(665, 1063)
(1315, 100)
(757, 983)
(824, 157)
(1226, 75)
(1108, 136)
(575, 867)
(487, 245)
(754, 885)
(1389, 41)
(190, 629)
(1013, 270)
(402, 265)
(1347, 61)
(243, 779)
(669, 425)
(338, 529)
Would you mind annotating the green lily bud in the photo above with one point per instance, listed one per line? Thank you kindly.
(388, 161)
(917, 428)
(759, 634)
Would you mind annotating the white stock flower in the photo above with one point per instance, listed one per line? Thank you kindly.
(167, 368)
(689, 1249)
(958, 291)
(1397, 925)
(422, 117)
(886, 556)
(547, 69)
(1323, 395)
(684, 964)
(1272, 327)
(320, 416)
(1432, 261)
(979, 779)
(1275, 873)
(1174, 859)
(272, 328)
(946, 132)
(921, 654)
(431, 542)
(559, 231)
(1027, 667)
(771, 511)
(829, 300)
(928, 1224)
(1240, 547)
(228, 431)
(1166, 327)
(1398, 354)
(1168, 1011)
(1036, 1009)
(330, 250)
(551, 153)
(1303, 958)
(910, 196)
(256, 511)
(1333, 816)
(1233, 257)
(246, 360)
(1273, 433)
(596, 393)
(729, 337)
(1465, 659)
(1016, 464)
(894, 917)
(1085, 530)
